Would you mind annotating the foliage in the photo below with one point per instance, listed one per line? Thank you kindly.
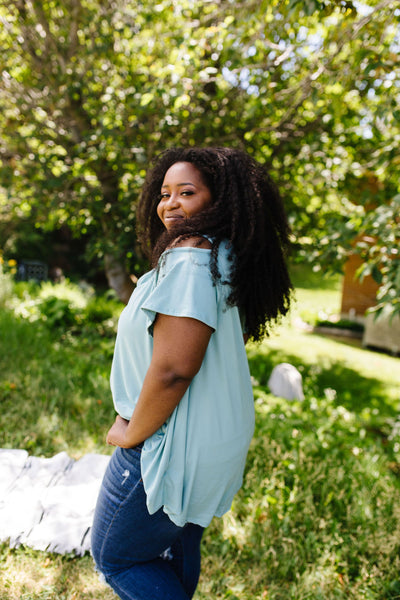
(383, 225)
(331, 322)
(99, 309)
(374, 233)
(341, 324)
(318, 516)
(92, 90)
(63, 306)
(57, 312)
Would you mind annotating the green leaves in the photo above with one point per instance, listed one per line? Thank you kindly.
(92, 91)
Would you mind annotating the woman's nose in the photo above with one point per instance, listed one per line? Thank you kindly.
(173, 199)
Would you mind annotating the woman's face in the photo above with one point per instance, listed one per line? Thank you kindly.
(183, 194)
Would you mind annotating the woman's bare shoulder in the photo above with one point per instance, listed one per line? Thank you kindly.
(196, 241)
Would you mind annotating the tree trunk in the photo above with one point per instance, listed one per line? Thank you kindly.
(118, 278)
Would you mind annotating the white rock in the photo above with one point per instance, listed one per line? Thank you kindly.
(286, 382)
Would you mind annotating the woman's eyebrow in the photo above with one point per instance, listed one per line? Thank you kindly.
(166, 185)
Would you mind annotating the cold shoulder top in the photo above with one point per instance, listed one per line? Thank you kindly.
(193, 465)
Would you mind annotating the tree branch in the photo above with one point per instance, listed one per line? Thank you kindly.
(51, 47)
(74, 27)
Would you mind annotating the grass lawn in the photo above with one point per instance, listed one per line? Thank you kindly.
(318, 516)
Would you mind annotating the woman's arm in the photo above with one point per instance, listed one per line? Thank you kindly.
(179, 346)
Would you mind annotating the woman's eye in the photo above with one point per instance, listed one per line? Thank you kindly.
(187, 193)
(164, 196)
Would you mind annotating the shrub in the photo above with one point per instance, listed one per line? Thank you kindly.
(57, 312)
(98, 309)
(340, 324)
(64, 305)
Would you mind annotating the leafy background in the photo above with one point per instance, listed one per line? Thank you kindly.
(92, 91)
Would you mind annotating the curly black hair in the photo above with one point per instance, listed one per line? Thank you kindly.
(247, 210)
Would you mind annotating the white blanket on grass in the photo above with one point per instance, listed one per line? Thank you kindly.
(48, 503)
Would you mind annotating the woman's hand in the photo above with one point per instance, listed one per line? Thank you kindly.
(116, 434)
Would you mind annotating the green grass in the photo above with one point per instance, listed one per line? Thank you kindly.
(54, 389)
(318, 517)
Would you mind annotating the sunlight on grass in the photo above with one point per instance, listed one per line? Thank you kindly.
(301, 348)
(321, 579)
(233, 528)
(32, 575)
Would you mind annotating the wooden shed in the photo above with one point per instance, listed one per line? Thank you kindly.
(360, 295)
(357, 295)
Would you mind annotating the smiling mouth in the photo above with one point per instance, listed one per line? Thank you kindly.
(173, 217)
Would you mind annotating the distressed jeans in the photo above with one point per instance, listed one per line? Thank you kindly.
(142, 556)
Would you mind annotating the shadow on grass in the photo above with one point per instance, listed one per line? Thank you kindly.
(353, 390)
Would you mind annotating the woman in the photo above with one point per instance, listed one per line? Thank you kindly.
(217, 232)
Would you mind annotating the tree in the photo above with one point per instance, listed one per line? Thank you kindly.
(93, 90)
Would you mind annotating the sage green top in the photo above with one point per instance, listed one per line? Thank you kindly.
(193, 465)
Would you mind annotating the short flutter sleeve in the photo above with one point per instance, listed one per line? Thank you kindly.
(183, 288)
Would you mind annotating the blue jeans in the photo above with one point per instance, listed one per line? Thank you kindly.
(142, 556)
